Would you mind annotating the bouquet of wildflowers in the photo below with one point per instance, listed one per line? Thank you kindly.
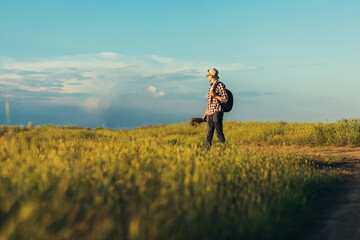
(196, 121)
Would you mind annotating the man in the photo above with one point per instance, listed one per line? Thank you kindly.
(216, 95)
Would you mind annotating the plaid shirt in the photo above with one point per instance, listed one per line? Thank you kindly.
(214, 104)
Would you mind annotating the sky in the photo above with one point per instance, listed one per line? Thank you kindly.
(125, 64)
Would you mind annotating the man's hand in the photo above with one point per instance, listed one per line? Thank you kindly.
(205, 115)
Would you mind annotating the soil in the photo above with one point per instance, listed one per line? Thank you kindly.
(342, 220)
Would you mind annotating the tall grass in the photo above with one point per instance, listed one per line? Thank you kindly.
(159, 182)
(345, 132)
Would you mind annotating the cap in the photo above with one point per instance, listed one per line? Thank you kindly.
(213, 72)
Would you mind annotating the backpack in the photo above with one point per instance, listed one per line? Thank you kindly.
(226, 107)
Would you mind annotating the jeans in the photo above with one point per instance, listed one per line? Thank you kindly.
(215, 122)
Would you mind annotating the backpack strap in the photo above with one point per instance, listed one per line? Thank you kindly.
(214, 88)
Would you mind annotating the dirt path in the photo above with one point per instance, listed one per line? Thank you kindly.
(342, 222)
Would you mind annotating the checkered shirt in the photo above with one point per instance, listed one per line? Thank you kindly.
(214, 104)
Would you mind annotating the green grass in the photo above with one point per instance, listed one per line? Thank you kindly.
(159, 183)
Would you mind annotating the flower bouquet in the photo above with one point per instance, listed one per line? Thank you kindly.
(196, 121)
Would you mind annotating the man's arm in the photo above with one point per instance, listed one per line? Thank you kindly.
(207, 108)
(218, 98)
(203, 117)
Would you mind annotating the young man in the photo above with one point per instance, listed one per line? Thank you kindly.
(214, 113)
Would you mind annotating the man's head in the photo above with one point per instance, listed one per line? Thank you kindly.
(213, 74)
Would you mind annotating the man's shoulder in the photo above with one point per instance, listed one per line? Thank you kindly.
(221, 84)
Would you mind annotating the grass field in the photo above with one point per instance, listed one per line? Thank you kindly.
(159, 183)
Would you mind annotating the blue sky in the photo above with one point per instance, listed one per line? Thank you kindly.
(124, 64)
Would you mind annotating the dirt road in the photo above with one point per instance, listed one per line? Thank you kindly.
(342, 222)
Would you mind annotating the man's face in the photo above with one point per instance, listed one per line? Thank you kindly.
(209, 76)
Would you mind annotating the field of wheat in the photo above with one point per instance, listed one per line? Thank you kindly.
(158, 182)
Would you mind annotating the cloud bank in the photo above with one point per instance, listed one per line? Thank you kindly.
(102, 81)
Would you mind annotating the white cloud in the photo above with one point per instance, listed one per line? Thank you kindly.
(163, 60)
(71, 89)
(37, 76)
(154, 92)
(152, 89)
(93, 104)
(109, 54)
(9, 83)
(88, 74)
(31, 89)
(10, 76)
(159, 94)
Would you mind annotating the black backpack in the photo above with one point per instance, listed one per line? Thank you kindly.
(226, 107)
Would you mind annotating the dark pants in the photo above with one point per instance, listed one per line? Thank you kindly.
(215, 122)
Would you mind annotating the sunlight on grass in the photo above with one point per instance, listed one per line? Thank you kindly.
(159, 183)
